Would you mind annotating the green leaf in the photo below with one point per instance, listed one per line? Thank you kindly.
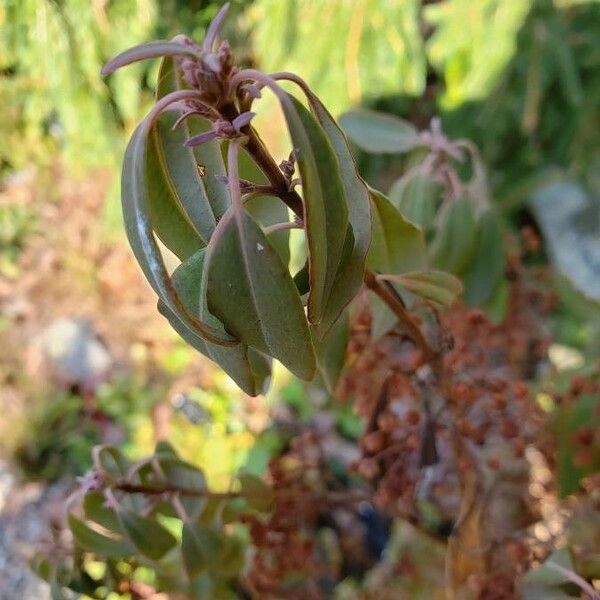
(183, 475)
(199, 545)
(437, 286)
(95, 510)
(301, 280)
(150, 538)
(169, 221)
(135, 194)
(164, 449)
(397, 245)
(256, 492)
(205, 547)
(92, 541)
(417, 196)
(497, 305)
(379, 132)
(349, 277)
(486, 269)
(202, 198)
(249, 369)
(325, 208)
(111, 459)
(454, 242)
(250, 290)
(382, 318)
(331, 352)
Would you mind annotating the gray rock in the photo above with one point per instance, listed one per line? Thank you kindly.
(74, 354)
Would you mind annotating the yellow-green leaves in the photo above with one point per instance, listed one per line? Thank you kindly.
(251, 291)
(397, 245)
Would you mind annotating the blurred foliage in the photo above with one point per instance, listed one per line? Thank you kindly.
(51, 53)
(542, 111)
(17, 223)
(371, 48)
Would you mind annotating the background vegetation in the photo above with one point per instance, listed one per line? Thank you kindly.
(520, 78)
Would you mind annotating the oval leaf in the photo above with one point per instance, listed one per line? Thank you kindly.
(150, 538)
(93, 541)
(250, 290)
(379, 132)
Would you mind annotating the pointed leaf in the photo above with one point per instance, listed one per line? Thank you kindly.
(149, 50)
(331, 352)
(194, 552)
(349, 277)
(397, 245)
(169, 220)
(111, 459)
(231, 557)
(150, 538)
(135, 194)
(250, 290)
(191, 172)
(183, 475)
(417, 196)
(454, 242)
(486, 268)
(437, 286)
(92, 541)
(249, 369)
(325, 208)
(379, 132)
